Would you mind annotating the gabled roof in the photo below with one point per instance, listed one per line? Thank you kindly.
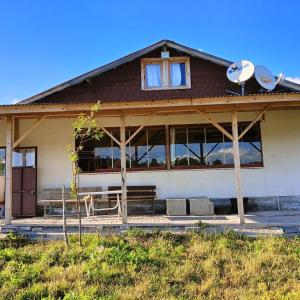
(135, 55)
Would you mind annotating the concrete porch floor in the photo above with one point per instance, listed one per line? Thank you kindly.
(258, 219)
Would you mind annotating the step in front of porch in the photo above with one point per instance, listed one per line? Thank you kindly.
(47, 233)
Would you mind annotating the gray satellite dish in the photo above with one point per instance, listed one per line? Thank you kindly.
(266, 79)
(239, 72)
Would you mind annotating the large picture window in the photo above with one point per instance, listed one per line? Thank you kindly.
(206, 146)
(193, 146)
(146, 150)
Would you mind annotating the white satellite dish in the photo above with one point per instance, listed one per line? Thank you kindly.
(240, 71)
(265, 78)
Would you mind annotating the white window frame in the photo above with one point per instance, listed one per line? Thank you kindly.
(165, 72)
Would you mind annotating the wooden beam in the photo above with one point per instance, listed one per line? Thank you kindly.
(16, 129)
(168, 150)
(138, 130)
(8, 170)
(162, 108)
(237, 168)
(27, 132)
(123, 170)
(257, 118)
(218, 126)
(109, 134)
(226, 101)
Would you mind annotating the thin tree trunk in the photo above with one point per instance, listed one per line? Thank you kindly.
(64, 217)
(78, 209)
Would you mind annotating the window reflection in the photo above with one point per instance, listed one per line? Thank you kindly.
(250, 146)
(206, 145)
(190, 146)
(146, 149)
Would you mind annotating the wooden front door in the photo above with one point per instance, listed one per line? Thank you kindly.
(24, 176)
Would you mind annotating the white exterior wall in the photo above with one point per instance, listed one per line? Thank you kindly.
(279, 176)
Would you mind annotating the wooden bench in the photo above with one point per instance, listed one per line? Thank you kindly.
(52, 197)
(141, 193)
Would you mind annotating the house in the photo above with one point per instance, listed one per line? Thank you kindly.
(175, 122)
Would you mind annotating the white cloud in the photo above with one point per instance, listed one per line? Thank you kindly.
(15, 100)
(294, 79)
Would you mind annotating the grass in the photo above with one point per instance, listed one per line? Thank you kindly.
(139, 265)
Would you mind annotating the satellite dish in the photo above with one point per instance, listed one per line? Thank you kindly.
(240, 71)
(265, 78)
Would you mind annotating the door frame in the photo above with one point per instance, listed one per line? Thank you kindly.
(36, 165)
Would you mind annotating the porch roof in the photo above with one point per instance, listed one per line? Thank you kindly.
(253, 102)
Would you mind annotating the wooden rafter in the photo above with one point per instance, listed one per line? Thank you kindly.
(16, 132)
(138, 130)
(257, 118)
(109, 134)
(216, 124)
(27, 132)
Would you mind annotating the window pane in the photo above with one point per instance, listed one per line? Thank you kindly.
(195, 146)
(23, 157)
(100, 155)
(227, 147)
(179, 151)
(250, 146)
(2, 161)
(86, 156)
(214, 147)
(156, 147)
(86, 161)
(116, 150)
(137, 150)
(153, 75)
(177, 74)
(103, 153)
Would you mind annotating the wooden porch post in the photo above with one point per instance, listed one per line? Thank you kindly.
(8, 170)
(237, 167)
(123, 170)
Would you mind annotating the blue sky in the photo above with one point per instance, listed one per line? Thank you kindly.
(43, 43)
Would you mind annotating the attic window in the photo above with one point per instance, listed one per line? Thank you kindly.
(161, 74)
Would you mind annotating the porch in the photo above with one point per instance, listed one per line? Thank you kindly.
(48, 127)
(257, 219)
(257, 224)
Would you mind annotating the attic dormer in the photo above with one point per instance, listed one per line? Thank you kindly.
(165, 72)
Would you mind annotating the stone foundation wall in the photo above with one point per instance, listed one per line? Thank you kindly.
(221, 206)
(272, 203)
